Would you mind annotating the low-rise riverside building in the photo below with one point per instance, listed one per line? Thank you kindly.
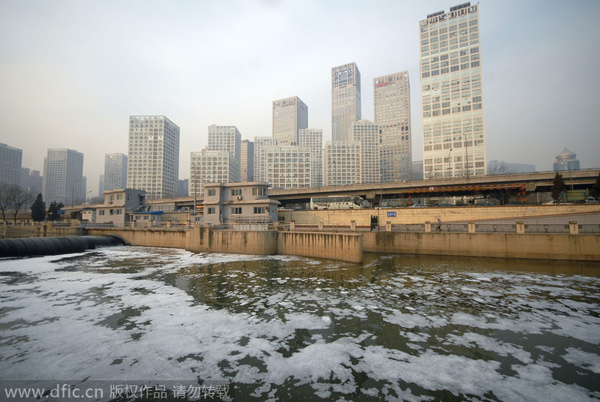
(119, 206)
(238, 203)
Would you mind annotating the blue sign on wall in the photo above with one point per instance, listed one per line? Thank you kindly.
(391, 214)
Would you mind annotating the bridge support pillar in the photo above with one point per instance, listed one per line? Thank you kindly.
(520, 227)
(573, 227)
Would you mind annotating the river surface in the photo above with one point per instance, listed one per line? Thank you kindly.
(291, 328)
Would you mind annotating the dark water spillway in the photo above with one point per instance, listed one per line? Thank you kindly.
(31, 246)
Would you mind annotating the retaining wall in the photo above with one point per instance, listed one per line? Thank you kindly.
(508, 245)
(335, 246)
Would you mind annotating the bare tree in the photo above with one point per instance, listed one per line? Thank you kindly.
(12, 198)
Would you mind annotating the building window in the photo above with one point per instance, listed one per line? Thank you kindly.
(236, 210)
(212, 192)
(259, 191)
(210, 211)
(101, 212)
(236, 191)
(259, 210)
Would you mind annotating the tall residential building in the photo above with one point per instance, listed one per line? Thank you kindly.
(115, 171)
(566, 160)
(211, 166)
(184, 188)
(153, 157)
(10, 164)
(392, 113)
(247, 161)
(225, 138)
(367, 134)
(287, 167)
(219, 162)
(342, 163)
(313, 139)
(345, 100)
(63, 177)
(290, 115)
(452, 99)
(24, 179)
(260, 158)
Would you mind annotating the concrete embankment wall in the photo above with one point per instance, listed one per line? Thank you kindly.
(336, 246)
(362, 217)
(205, 239)
(531, 246)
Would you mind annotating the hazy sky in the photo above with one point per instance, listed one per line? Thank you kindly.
(72, 72)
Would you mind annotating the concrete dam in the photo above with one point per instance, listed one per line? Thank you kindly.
(31, 246)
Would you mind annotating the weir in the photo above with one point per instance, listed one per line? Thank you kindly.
(30, 246)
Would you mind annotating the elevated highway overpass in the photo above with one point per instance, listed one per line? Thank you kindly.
(516, 187)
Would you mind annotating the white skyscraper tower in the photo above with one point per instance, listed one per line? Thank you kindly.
(452, 99)
(153, 161)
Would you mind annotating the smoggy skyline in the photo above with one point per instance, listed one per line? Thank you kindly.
(72, 72)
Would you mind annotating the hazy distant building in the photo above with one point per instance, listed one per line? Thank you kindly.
(153, 157)
(417, 170)
(367, 134)
(566, 160)
(35, 183)
(10, 164)
(115, 171)
(247, 161)
(392, 114)
(100, 185)
(211, 166)
(501, 167)
(342, 164)
(313, 139)
(184, 188)
(260, 158)
(345, 100)
(452, 99)
(24, 179)
(289, 116)
(63, 177)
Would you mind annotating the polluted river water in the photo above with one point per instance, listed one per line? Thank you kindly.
(397, 327)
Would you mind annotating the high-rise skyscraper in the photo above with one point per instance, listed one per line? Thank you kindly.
(63, 177)
(289, 116)
(367, 134)
(153, 157)
(452, 99)
(392, 114)
(225, 138)
(247, 161)
(115, 171)
(345, 100)
(10, 165)
(313, 139)
(287, 166)
(566, 160)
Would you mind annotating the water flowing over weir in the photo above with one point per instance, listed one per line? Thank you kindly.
(30, 246)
